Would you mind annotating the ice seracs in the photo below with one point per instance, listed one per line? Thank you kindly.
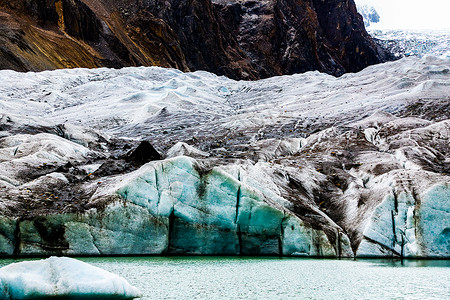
(62, 277)
(180, 149)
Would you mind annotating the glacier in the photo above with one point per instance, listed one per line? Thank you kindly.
(156, 161)
(62, 277)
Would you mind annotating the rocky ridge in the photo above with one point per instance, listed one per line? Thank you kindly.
(239, 39)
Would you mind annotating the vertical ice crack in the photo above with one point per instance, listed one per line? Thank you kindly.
(238, 200)
(238, 197)
(170, 231)
(281, 237)
(395, 200)
(403, 243)
(393, 214)
(157, 189)
(339, 246)
(239, 234)
(316, 242)
(394, 240)
(415, 196)
(17, 242)
(94, 242)
(280, 245)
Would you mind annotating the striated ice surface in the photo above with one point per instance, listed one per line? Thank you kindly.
(410, 225)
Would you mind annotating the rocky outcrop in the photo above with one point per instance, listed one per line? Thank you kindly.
(50, 34)
(239, 39)
(287, 37)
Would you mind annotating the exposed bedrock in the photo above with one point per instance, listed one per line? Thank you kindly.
(241, 39)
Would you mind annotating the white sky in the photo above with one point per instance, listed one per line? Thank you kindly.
(412, 14)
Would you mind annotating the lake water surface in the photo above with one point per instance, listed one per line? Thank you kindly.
(279, 278)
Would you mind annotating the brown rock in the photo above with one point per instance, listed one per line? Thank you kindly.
(242, 39)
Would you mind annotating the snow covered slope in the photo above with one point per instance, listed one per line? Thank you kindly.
(166, 104)
(307, 164)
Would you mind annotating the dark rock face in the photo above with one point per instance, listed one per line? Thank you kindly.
(79, 21)
(241, 39)
(289, 36)
(143, 153)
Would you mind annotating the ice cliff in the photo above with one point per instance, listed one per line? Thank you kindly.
(157, 161)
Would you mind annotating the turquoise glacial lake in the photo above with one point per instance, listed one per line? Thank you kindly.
(279, 278)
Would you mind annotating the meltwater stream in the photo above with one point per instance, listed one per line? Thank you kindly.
(279, 278)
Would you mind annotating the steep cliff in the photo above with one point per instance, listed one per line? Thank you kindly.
(241, 39)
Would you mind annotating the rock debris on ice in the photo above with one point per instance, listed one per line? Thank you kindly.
(156, 161)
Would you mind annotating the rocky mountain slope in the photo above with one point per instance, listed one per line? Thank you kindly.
(242, 39)
(157, 161)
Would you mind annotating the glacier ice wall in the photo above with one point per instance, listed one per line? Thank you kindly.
(306, 164)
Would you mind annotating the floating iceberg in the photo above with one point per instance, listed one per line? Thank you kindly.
(62, 277)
